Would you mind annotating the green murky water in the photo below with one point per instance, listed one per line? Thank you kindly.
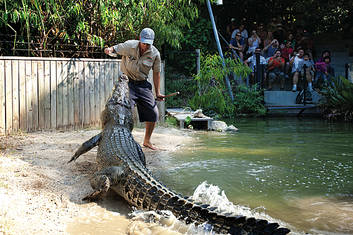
(297, 171)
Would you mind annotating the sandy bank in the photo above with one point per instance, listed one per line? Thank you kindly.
(41, 194)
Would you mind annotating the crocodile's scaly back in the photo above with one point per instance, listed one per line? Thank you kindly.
(123, 169)
(118, 110)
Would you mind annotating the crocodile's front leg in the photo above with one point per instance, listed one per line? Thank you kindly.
(86, 146)
(102, 180)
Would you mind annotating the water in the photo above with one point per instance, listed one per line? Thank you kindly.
(296, 171)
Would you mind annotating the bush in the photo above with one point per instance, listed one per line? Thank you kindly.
(179, 82)
(337, 102)
(212, 95)
(249, 101)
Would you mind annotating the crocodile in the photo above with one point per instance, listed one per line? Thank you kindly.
(122, 168)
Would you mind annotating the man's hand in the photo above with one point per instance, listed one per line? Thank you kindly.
(160, 97)
(108, 50)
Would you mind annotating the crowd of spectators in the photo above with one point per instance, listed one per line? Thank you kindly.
(285, 53)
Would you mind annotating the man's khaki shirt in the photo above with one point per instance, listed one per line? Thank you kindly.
(133, 65)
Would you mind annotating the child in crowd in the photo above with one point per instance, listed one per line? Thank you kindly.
(323, 71)
(308, 70)
(287, 52)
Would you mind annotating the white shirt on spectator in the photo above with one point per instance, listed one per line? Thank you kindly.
(252, 61)
(297, 64)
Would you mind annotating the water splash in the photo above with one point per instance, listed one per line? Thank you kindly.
(215, 197)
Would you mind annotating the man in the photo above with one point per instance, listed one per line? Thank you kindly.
(297, 63)
(138, 58)
(251, 62)
(231, 27)
(243, 32)
(275, 69)
(238, 45)
(270, 49)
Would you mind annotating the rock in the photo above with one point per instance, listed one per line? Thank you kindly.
(231, 128)
(218, 126)
(198, 114)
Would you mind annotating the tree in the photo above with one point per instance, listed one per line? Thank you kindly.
(317, 16)
(95, 22)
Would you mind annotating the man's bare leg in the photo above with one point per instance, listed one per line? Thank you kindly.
(148, 133)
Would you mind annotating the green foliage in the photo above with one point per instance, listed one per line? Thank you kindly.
(338, 99)
(171, 121)
(198, 36)
(249, 101)
(211, 93)
(97, 22)
(178, 82)
(317, 16)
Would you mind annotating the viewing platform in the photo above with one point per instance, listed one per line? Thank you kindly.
(283, 103)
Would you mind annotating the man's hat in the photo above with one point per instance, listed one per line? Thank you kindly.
(147, 36)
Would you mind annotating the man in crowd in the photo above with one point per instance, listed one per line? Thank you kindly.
(238, 45)
(138, 58)
(297, 64)
(270, 49)
(298, 69)
(243, 32)
(251, 62)
(275, 69)
(231, 27)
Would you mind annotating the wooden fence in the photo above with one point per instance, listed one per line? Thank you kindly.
(54, 93)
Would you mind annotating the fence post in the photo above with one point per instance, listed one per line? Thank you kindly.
(198, 68)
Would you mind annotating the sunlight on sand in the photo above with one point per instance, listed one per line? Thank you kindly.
(325, 214)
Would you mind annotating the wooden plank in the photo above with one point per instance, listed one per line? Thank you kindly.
(107, 80)
(23, 96)
(76, 94)
(41, 95)
(94, 94)
(97, 92)
(8, 88)
(2, 97)
(65, 106)
(101, 88)
(114, 76)
(53, 92)
(35, 95)
(71, 75)
(60, 94)
(15, 96)
(87, 112)
(8, 95)
(47, 103)
(29, 95)
(81, 75)
(116, 73)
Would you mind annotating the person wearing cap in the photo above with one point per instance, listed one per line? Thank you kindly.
(138, 58)
(231, 27)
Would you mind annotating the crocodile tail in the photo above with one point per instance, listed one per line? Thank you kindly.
(228, 223)
(158, 197)
(191, 212)
(86, 146)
